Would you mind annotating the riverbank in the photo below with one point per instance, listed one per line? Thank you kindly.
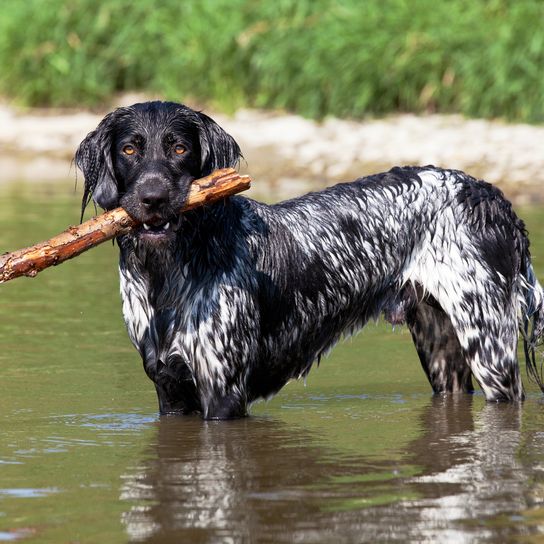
(288, 154)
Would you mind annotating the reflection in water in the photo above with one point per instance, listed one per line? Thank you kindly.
(259, 480)
(471, 470)
(239, 479)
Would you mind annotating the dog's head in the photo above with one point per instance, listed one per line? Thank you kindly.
(144, 158)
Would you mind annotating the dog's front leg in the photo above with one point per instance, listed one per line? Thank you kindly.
(176, 389)
(175, 398)
(223, 394)
(229, 406)
(225, 348)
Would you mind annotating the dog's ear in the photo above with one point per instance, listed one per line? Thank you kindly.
(93, 158)
(219, 149)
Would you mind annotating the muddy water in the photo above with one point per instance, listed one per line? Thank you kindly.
(360, 453)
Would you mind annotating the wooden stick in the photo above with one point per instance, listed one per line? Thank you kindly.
(77, 239)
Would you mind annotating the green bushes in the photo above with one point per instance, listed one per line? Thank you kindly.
(347, 58)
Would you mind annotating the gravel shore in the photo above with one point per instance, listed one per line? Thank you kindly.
(287, 154)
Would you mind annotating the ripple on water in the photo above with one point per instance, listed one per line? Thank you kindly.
(109, 421)
(27, 492)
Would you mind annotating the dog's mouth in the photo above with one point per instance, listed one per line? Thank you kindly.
(159, 229)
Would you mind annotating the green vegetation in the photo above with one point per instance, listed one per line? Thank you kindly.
(347, 58)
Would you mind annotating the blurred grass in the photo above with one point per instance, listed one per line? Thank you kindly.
(315, 57)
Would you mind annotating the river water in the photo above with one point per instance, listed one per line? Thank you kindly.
(360, 453)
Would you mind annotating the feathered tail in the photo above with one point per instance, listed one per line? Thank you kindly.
(532, 325)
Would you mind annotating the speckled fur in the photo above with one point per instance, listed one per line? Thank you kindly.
(248, 295)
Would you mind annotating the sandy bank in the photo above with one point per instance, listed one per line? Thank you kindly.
(287, 154)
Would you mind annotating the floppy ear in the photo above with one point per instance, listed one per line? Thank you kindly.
(93, 158)
(219, 149)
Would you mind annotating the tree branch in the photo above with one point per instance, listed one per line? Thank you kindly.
(77, 239)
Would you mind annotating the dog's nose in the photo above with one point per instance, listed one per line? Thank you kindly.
(153, 197)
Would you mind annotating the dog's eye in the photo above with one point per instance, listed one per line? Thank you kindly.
(179, 149)
(129, 149)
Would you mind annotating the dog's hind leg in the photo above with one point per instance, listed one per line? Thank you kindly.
(488, 334)
(439, 351)
(484, 317)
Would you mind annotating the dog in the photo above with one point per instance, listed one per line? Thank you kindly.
(228, 302)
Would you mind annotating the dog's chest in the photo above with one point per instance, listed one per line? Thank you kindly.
(183, 319)
(155, 310)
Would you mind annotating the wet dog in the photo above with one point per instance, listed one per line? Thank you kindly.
(228, 302)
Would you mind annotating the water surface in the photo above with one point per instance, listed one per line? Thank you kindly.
(360, 453)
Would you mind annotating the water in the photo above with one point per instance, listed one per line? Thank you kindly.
(361, 453)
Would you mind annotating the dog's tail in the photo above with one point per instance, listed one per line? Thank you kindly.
(532, 320)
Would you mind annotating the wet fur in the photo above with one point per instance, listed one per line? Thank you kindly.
(240, 297)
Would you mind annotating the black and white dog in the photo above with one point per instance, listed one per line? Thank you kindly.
(228, 302)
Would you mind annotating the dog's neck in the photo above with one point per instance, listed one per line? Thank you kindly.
(203, 244)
